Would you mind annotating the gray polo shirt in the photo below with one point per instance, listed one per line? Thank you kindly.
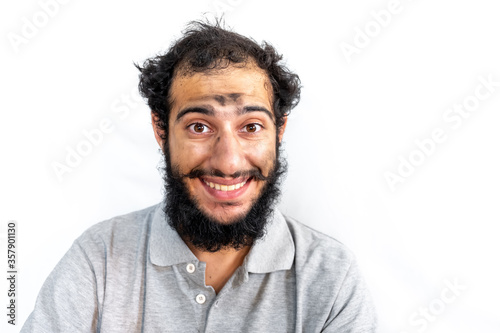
(134, 273)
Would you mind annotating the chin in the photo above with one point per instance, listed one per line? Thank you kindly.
(224, 216)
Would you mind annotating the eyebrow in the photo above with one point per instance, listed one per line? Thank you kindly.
(209, 111)
(252, 108)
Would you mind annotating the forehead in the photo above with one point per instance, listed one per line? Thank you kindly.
(222, 87)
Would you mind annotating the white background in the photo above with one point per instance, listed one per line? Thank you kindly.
(356, 120)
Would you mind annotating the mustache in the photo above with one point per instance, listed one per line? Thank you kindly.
(252, 173)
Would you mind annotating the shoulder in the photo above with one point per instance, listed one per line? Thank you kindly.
(118, 232)
(327, 275)
(79, 280)
(309, 241)
(319, 254)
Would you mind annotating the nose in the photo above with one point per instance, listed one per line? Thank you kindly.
(228, 154)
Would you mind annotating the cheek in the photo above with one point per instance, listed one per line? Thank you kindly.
(186, 154)
(263, 155)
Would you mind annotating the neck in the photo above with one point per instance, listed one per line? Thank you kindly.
(220, 265)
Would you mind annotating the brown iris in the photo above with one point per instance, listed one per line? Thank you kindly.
(251, 128)
(198, 128)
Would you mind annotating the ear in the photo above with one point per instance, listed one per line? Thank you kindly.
(282, 129)
(159, 133)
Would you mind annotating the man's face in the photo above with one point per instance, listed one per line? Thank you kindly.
(222, 134)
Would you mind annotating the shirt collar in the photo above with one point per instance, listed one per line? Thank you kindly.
(166, 246)
(275, 251)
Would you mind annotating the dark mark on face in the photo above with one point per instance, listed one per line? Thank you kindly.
(221, 99)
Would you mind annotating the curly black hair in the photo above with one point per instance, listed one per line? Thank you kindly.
(203, 47)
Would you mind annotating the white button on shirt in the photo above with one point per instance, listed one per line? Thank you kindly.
(200, 299)
(190, 268)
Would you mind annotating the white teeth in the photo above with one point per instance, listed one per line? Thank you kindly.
(225, 188)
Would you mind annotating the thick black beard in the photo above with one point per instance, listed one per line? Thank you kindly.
(207, 234)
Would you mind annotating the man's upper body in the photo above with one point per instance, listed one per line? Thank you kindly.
(215, 255)
(134, 273)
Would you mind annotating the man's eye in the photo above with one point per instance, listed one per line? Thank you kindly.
(198, 128)
(252, 128)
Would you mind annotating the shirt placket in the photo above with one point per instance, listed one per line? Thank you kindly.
(201, 296)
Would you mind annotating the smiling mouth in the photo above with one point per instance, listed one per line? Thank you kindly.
(225, 188)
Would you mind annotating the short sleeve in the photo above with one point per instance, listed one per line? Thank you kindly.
(353, 310)
(67, 301)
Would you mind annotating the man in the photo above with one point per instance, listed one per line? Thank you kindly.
(215, 256)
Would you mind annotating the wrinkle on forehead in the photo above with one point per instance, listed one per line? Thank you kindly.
(223, 98)
(184, 71)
